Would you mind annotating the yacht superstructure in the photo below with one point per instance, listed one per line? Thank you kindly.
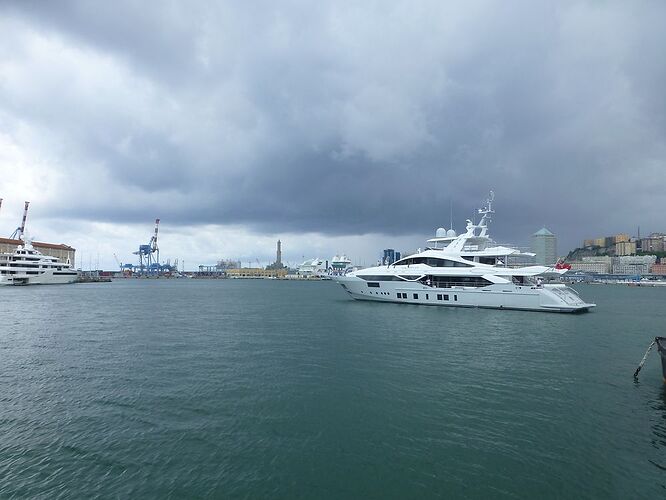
(468, 270)
(27, 266)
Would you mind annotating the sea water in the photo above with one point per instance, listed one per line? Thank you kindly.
(280, 389)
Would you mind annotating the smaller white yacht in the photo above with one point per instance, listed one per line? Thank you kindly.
(340, 265)
(27, 266)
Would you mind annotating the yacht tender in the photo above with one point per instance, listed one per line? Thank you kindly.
(27, 266)
(470, 270)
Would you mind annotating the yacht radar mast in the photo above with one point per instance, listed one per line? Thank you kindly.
(486, 214)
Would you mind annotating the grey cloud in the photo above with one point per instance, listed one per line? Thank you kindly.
(370, 118)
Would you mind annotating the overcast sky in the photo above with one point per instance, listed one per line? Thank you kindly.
(335, 126)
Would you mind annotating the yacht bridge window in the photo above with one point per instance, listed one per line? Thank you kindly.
(389, 277)
(382, 277)
(431, 261)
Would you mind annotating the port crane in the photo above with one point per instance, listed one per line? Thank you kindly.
(149, 255)
(18, 232)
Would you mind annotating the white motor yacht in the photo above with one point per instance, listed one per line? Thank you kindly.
(27, 266)
(468, 270)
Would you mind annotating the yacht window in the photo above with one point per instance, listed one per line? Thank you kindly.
(427, 297)
(432, 262)
(416, 295)
(446, 296)
(381, 277)
(439, 296)
(451, 281)
(373, 285)
(410, 277)
(455, 298)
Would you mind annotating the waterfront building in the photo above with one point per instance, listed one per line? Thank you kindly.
(636, 264)
(621, 238)
(591, 267)
(544, 246)
(256, 272)
(600, 265)
(658, 269)
(63, 253)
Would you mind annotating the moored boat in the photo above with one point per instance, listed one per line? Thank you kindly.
(28, 266)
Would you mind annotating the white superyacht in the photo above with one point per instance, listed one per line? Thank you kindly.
(27, 266)
(468, 270)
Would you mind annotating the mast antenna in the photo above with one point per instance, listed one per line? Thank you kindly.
(451, 213)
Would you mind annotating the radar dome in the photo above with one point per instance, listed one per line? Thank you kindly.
(440, 233)
(451, 233)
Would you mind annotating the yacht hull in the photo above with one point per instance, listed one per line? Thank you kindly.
(547, 298)
(46, 278)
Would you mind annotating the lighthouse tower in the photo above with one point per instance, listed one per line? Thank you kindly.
(278, 260)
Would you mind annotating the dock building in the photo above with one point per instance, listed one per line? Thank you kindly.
(659, 268)
(599, 265)
(636, 264)
(256, 272)
(64, 253)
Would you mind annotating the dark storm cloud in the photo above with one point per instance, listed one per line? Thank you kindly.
(351, 119)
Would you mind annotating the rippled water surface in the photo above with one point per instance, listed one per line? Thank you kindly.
(187, 388)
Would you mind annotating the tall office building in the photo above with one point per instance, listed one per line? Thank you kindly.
(389, 256)
(544, 245)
